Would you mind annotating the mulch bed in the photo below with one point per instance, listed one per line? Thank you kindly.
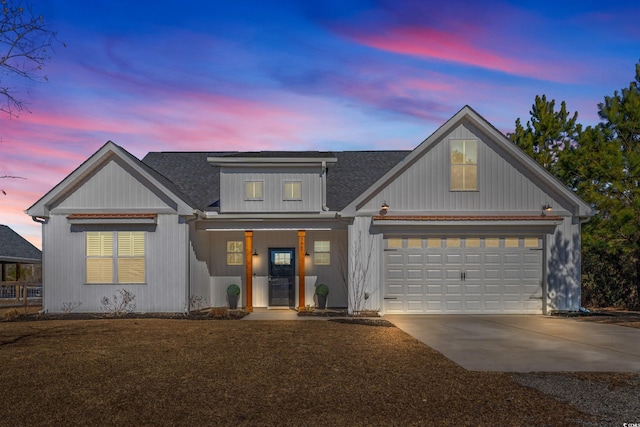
(136, 371)
(606, 315)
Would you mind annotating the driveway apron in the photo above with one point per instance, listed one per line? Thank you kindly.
(526, 343)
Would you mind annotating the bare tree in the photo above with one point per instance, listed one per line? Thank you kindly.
(355, 270)
(26, 44)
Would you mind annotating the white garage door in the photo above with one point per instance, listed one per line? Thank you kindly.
(463, 275)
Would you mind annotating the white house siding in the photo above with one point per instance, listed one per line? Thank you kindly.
(113, 187)
(365, 264)
(164, 291)
(425, 185)
(232, 189)
(199, 266)
(564, 266)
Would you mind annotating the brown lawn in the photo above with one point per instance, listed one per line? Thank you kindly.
(189, 372)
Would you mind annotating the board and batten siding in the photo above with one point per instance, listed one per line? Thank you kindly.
(165, 288)
(365, 262)
(425, 185)
(563, 267)
(232, 190)
(114, 186)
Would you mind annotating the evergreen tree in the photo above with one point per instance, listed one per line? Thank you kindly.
(605, 171)
(548, 134)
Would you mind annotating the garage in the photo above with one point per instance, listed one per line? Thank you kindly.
(492, 275)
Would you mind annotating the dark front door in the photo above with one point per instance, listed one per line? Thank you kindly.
(282, 273)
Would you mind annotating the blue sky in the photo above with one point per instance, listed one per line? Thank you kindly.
(299, 75)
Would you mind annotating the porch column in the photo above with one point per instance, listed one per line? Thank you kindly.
(248, 256)
(301, 251)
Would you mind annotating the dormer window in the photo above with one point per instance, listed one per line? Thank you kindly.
(464, 165)
(292, 190)
(253, 190)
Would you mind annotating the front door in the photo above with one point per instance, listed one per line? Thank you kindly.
(281, 277)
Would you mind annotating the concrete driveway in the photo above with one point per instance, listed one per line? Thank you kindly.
(526, 343)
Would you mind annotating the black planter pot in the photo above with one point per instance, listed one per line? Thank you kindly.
(322, 301)
(233, 301)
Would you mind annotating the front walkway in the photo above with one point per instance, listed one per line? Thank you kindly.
(526, 343)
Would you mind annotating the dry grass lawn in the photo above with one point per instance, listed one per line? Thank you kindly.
(188, 372)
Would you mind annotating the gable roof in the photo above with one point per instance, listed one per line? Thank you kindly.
(522, 159)
(15, 248)
(100, 157)
(352, 174)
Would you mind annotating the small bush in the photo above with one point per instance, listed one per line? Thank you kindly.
(12, 314)
(219, 312)
(68, 307)
(233, 289)
(307, 309)
(119, 306)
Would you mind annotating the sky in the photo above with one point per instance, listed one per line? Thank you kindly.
(202, 75)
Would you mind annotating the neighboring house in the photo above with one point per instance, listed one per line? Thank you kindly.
(464, 223)
(15, 250)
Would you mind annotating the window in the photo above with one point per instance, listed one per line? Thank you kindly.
(292, 190)
(394, 243)
(322, 252)
(414, 243)
(253, 190)
(125, 260)
(464, 165)
(234, 253)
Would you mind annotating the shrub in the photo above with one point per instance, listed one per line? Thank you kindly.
(322, 290)
(219, 312)
(233, 289)
(119, 306)
(12, 314)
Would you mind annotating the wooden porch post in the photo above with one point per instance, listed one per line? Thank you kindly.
(248, 252)
(301, 260)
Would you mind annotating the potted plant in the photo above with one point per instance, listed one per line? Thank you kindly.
(233, 291)
(322, 291)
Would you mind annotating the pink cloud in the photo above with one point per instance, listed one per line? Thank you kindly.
(451, 47)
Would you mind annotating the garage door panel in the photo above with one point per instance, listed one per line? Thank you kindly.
(431, 290)
(395, 274)
(433, 274)
(394, 289)
(415, 274)
(458, 278)
(453, 289)
(512, 258)
(473, 290)
(394, 258)
(415, 259)
(415, 290)
(435, 259)
(415, 306)
(453, 259)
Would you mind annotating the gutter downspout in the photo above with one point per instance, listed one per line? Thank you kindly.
(324, 186)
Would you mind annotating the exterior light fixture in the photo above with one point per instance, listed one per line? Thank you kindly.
(384, 207)
(306, 253)
(254, 254)
(547, 207)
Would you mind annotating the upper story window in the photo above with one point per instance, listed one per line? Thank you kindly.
(253, 190)
(464, 165)
(292, 190)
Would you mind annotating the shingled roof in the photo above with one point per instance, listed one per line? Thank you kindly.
(354, 172)
(14, 248)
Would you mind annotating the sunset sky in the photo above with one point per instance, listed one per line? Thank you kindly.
(298, 75)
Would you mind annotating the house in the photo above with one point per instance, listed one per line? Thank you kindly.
(464, 223)
(15, 254)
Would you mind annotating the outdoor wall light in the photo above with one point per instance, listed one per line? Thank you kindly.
(254, 254)
(384, 207)
(306, 253)
(547, 207)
